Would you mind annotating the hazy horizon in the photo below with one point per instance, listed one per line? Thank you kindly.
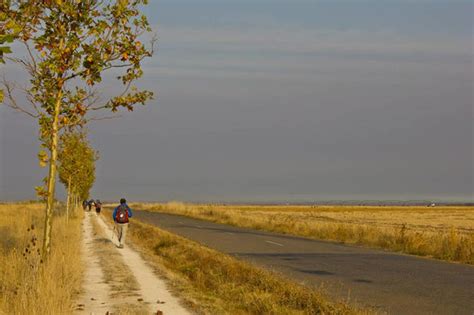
(285, 101)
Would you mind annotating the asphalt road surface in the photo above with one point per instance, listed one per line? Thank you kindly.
(393, 283)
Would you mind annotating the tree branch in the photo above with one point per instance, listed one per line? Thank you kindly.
(12, 103)
(105, 117)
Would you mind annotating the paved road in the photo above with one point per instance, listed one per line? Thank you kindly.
(398, 284)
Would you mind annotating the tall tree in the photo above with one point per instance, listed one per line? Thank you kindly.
(69, 45)
(76, 165)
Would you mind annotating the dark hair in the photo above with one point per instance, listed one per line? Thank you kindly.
(123, 201)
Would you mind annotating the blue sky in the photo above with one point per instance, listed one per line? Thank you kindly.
(286, 100)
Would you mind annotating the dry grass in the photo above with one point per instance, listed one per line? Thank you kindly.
(221, 284)
(445, 233)
(27, 285)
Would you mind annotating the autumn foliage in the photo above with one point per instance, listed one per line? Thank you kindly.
(69, 45)
(76, 167)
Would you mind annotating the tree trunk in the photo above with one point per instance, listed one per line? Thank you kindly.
(68, 202)
(74, 205)
(48, 222)
(76, 201)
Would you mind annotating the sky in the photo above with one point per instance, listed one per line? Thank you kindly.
(285, 101)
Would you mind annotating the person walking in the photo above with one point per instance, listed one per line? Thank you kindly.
(90, 204)
(121, 215)
(98, 206)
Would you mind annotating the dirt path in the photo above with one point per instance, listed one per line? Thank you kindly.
(95, 299)
(153, 292)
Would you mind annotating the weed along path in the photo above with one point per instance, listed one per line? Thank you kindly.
(118, 280)
(389, 282)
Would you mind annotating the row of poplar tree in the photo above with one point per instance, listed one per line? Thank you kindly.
(65, 47)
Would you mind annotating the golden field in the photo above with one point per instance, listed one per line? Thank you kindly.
(27, 284)
(444, 232)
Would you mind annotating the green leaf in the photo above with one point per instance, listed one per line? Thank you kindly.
(5, 50)
(6, 39)
(43, 158)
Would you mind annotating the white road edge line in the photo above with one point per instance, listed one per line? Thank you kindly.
(270, 242)
(230, 233)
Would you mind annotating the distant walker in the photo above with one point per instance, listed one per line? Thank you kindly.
(98, 206)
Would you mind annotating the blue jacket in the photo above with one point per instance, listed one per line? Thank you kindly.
(116, 209)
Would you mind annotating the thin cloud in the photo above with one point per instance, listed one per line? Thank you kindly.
(304, 41)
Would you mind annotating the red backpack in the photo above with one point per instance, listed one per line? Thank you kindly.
(121, 216)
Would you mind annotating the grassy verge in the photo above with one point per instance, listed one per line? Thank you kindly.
(28, 285)
(221, 284)
(445, 233)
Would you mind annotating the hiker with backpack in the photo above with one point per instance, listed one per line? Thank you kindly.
(120, 216)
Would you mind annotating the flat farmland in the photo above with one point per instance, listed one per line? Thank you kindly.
(444, 232)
